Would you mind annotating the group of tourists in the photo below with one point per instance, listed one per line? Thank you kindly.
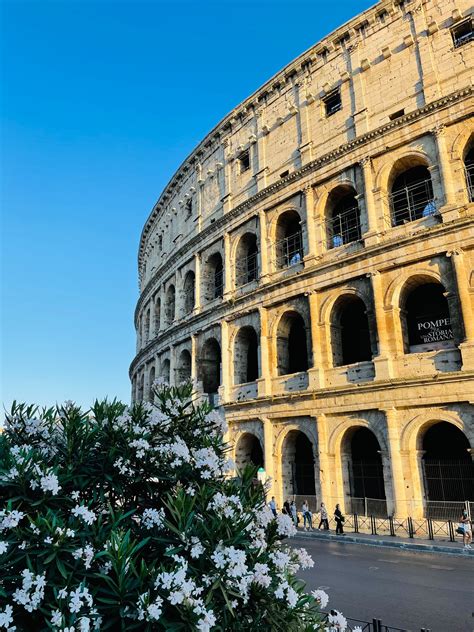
(289, 508)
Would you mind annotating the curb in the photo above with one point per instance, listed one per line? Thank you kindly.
(389, 544)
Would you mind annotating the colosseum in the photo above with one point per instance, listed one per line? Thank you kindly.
(310, 266)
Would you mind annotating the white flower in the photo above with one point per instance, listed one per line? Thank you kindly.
(10, 519)
(207, 460)
(207, 622)
(56, 618)
(153, 518)
(79, 598)
(86, 554)
(322, 597)
(226, 506)
(304, 558)
(337, 620)
(3, 547)
(32, 591)
(87, 515)
(75, 495)
(50, 483)
(286, 526)
(6, 618)
(197, 548)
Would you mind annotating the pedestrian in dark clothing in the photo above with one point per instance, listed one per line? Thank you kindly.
(286, 508)
(339, 518)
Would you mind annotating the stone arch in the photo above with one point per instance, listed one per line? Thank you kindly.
(248, 449)
(419, 424)
(151, 380)
(210, 365)
(425, 317)
(292, 343)
(288, 238)
(165, 370)
(351, 339)
(297, 446)
(189, 292)
(342, 215)
(394, 289)
(246, 259)
(213, 276)
(170, 304)
(394, 163)
(183, 368)
(246, 355)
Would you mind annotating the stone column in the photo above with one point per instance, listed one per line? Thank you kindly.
(227, 267)
(265, 381)
(371, 237)
(447, 178)
(194, 358)
(200, 184)
(317, 372)
(262, 170)
(227, 199)
(467, 307)
(264, 245)
(197, 282)
(269, 456)
(173, 380)
(382, 362)
(325, 474)
(225, 362)
(310, 223)
(399, 504)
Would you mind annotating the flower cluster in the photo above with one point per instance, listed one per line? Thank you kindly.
(126, 515)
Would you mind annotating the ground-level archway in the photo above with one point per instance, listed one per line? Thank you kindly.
(248, 450)
(364, 475)
(448, 470)
(298, 466)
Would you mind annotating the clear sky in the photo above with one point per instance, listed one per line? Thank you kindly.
(100, 103)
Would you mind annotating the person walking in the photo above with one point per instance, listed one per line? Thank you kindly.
(307, 516)
(339, 518)
(294, 512)
(286, 508)
(467, 535)
(273, 506)
(323, 512)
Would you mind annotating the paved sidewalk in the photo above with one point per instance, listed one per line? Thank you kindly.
(409, 544)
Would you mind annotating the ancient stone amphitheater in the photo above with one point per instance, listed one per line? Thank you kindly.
(310, 265)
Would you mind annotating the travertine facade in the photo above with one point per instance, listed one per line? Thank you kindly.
(310, 264)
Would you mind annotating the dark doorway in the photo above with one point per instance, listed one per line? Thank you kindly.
(353, 330)
(249, 451)
(246, 356)
(292, 344)
(366, 466)
(211, 366)
(303, 467)
(428, 321)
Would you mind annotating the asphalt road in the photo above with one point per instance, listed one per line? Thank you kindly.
(405, 590)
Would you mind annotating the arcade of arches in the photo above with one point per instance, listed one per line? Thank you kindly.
(361, 468)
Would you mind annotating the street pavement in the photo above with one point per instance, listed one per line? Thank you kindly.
(403, 589)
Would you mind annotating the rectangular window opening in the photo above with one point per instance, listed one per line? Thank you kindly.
(462, 33)
(382, 16)
(244, 160)
(332, 102)
(284, 174)
(397, 114)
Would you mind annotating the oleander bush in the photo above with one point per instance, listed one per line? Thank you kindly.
(125, 519)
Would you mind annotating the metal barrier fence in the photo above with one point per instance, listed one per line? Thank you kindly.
(375, 625)
(378, 523)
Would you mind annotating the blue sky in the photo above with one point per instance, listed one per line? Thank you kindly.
(100, 103)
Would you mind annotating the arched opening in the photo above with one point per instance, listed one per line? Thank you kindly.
(141, 387)
(350, 331)
(170, 307)
(248, 451)
(246, 356)
(215, 276)
(151, 379)
(363, 460)
(210, 366)
(292, 344)
(343, 217)
(448, 470)
(426, 320)
(412, 195)
(146, 336)
(246, 267)
(157, 314)
(165, 370)
(298, 469)
(289, 239)
(189, 292)
(183, 370)
(469, 170)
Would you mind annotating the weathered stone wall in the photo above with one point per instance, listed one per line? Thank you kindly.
(320, 190)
